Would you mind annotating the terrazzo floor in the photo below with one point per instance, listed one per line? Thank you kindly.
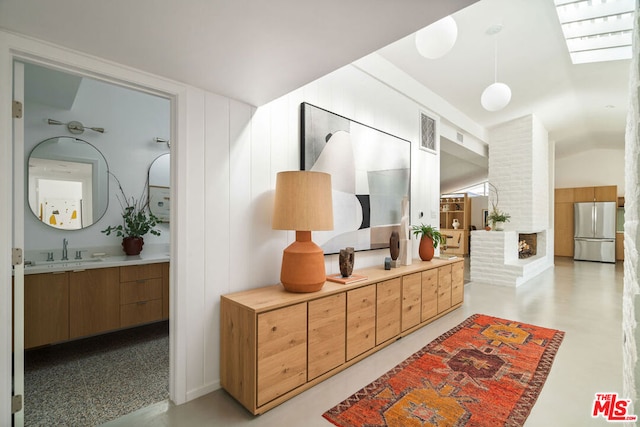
(94, 380)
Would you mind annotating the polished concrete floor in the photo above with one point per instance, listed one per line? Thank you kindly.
(584, 299)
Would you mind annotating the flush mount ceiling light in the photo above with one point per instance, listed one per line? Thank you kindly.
(497, 95)
(597, 30)
(438, 38)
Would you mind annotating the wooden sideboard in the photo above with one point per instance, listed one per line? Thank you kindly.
(276, 344)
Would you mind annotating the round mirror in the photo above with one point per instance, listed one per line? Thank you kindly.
(68, 183)
(159, 187)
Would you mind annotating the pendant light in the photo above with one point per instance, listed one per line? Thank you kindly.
(497, 95)
(438, 38)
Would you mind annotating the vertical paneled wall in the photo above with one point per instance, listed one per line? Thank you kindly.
(239, 154)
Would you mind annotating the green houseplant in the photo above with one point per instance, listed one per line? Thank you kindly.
(137, 221)
(497, 217)
(430, 238)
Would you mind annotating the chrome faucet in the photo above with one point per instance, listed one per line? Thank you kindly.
(65, 243)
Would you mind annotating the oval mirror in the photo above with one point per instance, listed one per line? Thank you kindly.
(68, 183)
(159, 187)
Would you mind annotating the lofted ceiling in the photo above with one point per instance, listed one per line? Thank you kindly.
(256, 51)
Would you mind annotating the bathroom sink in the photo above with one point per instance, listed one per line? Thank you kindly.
(66, 263)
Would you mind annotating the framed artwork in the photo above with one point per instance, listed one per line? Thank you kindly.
(428, 133)
(485, 215)
(370, 175)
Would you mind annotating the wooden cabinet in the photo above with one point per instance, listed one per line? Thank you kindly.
(94, 301)
(327, 317)
(73, 304)
(619, 246)
(46, 309)
(429, 294)
(563, 212)
(141, 289)
(388, 310)
(361, 320)
(455, 207)
(411, 300)
(276, 344)
(282, 351)
(444, 288)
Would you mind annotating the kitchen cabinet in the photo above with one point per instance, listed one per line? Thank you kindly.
(563, 212)
(94, 301)
(275, 344)
(46, 309)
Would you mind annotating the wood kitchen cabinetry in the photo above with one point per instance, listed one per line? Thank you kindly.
(276, 344)
(563, 212)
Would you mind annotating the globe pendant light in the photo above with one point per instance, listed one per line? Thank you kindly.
(437, 39)
(497, 95)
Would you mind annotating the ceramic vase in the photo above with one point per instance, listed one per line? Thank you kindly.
(346, 260)
(394, 245)
(426, 249)
(498, 226)
(132, 245)
(455, 224)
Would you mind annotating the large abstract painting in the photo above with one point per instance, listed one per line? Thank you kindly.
(370, 175)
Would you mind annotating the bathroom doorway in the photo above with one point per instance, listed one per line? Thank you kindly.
(130, 128)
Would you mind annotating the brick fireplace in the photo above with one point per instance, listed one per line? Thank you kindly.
(519, 169)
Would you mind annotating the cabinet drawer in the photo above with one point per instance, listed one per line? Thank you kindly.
(361, 320)
(429, 294)
(327, 318)
(388, 310)
(140, 312)
(143, 271)
(411, 299)
(140, 290)
(282, 351)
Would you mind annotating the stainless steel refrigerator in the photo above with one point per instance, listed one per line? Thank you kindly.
(595, 231)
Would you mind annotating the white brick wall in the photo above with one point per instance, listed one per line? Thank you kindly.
(519, 168)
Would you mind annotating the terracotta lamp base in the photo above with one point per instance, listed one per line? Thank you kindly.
(303, 265)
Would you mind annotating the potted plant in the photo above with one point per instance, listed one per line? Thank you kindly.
(430, 238)
(137, 221)
(497, 217)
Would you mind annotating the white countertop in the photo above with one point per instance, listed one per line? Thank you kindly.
(149, 257)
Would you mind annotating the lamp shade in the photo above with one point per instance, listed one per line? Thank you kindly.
(303, 201)
(495, 97)
(438, 38)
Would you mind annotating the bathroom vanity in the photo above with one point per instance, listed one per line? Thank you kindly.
(66, 301)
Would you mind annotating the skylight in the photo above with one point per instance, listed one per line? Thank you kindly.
(597, 30)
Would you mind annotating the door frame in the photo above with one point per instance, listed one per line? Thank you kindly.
(14, 47)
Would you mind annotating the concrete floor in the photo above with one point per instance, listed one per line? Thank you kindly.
(584, 299)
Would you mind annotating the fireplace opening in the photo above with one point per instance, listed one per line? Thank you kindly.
(527, 244)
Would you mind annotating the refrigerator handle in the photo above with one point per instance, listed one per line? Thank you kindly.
(595, 219)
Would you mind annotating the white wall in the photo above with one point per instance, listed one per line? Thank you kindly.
(591, 168)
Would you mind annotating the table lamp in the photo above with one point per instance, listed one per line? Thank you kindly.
(303, 203)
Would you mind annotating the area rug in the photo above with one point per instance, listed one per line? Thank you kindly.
(484, 372)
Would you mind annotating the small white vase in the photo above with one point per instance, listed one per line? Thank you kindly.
(498, 226)
(455, 224)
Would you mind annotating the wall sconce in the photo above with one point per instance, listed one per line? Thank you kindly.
(75, 127)
(162, 141)
(303, 203)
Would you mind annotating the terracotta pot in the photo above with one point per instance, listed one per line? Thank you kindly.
(132, 245)
(426, 250)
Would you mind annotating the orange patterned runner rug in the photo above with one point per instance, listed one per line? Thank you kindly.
(484, 372)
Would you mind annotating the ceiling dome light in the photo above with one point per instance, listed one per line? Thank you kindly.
(438, 38)
(495, 97)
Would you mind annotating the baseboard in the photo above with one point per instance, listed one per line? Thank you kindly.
(201, 391)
